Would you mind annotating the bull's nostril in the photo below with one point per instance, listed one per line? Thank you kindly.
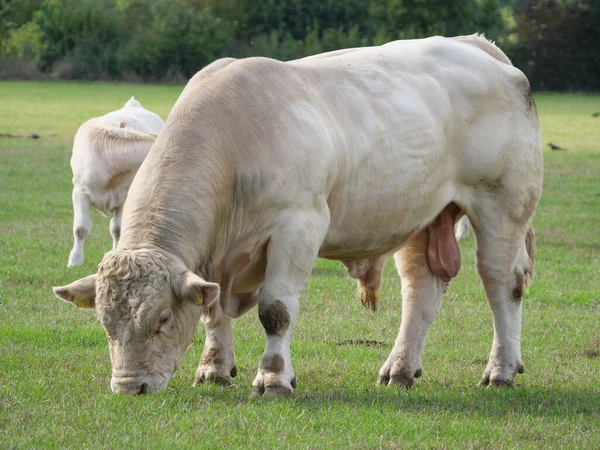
(143, 389)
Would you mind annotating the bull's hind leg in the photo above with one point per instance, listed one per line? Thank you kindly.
(421, 299)
(504, 265)
(291, 254)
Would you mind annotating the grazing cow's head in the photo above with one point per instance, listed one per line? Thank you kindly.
(149, 306)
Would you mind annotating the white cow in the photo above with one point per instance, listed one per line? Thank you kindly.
(107, 152)
(354, 155)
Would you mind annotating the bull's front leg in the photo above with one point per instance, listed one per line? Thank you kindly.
(421, 299)
(291, 255)
(81, 225)
(217, 363)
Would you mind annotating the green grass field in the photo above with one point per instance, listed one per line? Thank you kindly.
(55, 370)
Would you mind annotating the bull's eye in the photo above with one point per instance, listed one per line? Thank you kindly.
(164, 319)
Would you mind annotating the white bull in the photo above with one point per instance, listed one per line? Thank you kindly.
(107, 152)
(353, 155)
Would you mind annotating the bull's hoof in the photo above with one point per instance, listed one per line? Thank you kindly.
(209, 374)
(486, 381)
(220, 381)
(402, 380)
(497, 380)
(277, 390)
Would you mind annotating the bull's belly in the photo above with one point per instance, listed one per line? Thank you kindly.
(347, 241)
(382, 223)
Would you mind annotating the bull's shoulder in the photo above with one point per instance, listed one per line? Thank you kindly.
(208, 71)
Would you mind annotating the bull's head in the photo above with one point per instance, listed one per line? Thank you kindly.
(149, 305)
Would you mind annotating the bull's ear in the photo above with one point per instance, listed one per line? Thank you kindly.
(82, 293)
(197, 290)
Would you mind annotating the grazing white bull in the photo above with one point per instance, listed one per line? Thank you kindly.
(352, 155)
(107, 152)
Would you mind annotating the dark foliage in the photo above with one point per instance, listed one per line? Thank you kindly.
(555, 42)
(558, 46)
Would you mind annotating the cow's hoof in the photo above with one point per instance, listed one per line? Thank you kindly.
(75, 260)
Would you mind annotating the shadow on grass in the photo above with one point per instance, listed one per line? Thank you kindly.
(535, 402)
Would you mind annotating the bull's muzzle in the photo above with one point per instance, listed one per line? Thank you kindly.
(129, 387)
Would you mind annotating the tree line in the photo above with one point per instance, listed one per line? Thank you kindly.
(554, 42)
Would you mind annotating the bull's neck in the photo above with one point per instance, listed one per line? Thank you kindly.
(176, 203)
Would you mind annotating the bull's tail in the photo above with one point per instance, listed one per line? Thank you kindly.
(530, 247)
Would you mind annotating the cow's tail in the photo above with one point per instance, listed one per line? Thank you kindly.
(530, 247)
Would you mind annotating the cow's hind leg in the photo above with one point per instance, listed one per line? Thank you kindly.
(291, 254)
(115, 226)
(462, 229)
(505, 262)
(421, 298)
(81, 225)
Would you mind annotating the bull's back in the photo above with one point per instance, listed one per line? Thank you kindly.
(381, 135)
(417, 125)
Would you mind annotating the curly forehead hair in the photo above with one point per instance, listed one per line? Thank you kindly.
(126, 284)
(135, 265)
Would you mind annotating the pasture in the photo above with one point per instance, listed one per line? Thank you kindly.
(54, 365)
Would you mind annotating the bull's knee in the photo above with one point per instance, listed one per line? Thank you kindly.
(274, 317)
(81, 233)
(517, 293)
